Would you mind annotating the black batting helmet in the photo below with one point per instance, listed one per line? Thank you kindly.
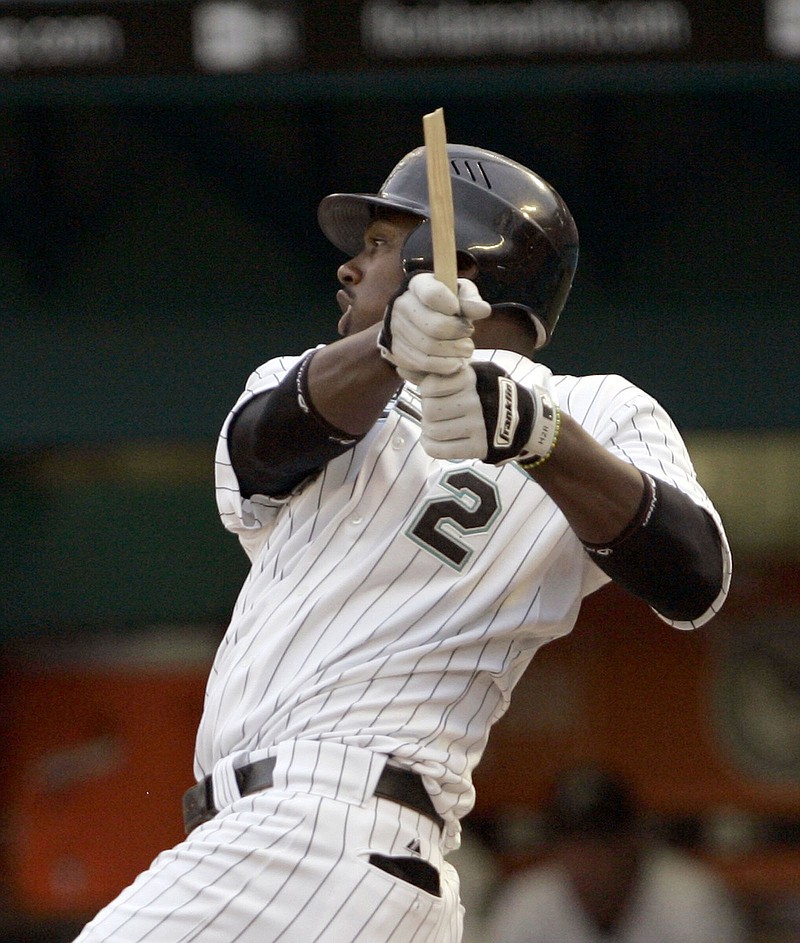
(508, 221)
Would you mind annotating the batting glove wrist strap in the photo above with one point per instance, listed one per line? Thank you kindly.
(521, 424)
(482, 413)
(508, 412)
(545, 429)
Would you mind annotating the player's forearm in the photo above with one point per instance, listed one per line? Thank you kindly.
(323, 406)
(645, 534)
(350, 383)
(598, 493)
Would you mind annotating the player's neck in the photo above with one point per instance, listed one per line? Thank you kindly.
(506, 331)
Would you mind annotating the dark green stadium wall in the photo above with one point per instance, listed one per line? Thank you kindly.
(154, 252)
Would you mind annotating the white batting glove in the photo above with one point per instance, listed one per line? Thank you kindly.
(427, 329)
(480, 412)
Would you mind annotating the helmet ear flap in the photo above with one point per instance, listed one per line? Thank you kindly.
(466, 263)
(418, 249)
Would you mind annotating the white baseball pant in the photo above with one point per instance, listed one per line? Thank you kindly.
(292, 864)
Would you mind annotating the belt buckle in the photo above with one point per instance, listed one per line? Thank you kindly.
(198, 804)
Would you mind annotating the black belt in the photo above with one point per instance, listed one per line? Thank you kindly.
(399, 785)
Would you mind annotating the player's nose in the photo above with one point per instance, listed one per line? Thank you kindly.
(348, 273)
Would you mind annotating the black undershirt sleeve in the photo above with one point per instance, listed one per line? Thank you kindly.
(670, 554)
(278, 439)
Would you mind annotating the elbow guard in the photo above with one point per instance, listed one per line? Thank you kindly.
(278, 439)
(670, 554)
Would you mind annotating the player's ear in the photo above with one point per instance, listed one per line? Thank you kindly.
(467, 266)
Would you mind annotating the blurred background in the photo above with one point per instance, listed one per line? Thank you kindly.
(160, 166)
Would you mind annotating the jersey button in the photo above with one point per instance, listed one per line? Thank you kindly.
(398, 442)
(356, 519)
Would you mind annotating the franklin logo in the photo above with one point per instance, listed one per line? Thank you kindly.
(507, 414)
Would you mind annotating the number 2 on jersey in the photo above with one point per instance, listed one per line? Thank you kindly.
(443, 522)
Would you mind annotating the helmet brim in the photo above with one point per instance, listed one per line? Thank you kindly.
(343, 217)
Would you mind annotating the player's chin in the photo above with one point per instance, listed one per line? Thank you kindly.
(354, 322)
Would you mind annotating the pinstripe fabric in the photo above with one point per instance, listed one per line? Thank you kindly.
(290, 864)
(392, 604)
(349, 627)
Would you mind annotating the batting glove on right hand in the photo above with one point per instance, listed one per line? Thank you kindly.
(480, 412)
(427, 329)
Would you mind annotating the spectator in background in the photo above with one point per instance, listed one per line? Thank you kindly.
(605, 881)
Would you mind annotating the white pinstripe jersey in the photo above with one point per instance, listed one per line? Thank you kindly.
(395, 599)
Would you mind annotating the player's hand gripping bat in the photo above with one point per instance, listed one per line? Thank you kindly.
(428, 326)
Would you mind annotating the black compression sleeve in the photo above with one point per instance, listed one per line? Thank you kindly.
(277, 439)
(670, 554)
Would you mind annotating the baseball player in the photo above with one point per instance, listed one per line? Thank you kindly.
(424, 506)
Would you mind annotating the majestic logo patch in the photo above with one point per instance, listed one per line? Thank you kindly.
(507, 413)
(414, 846)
